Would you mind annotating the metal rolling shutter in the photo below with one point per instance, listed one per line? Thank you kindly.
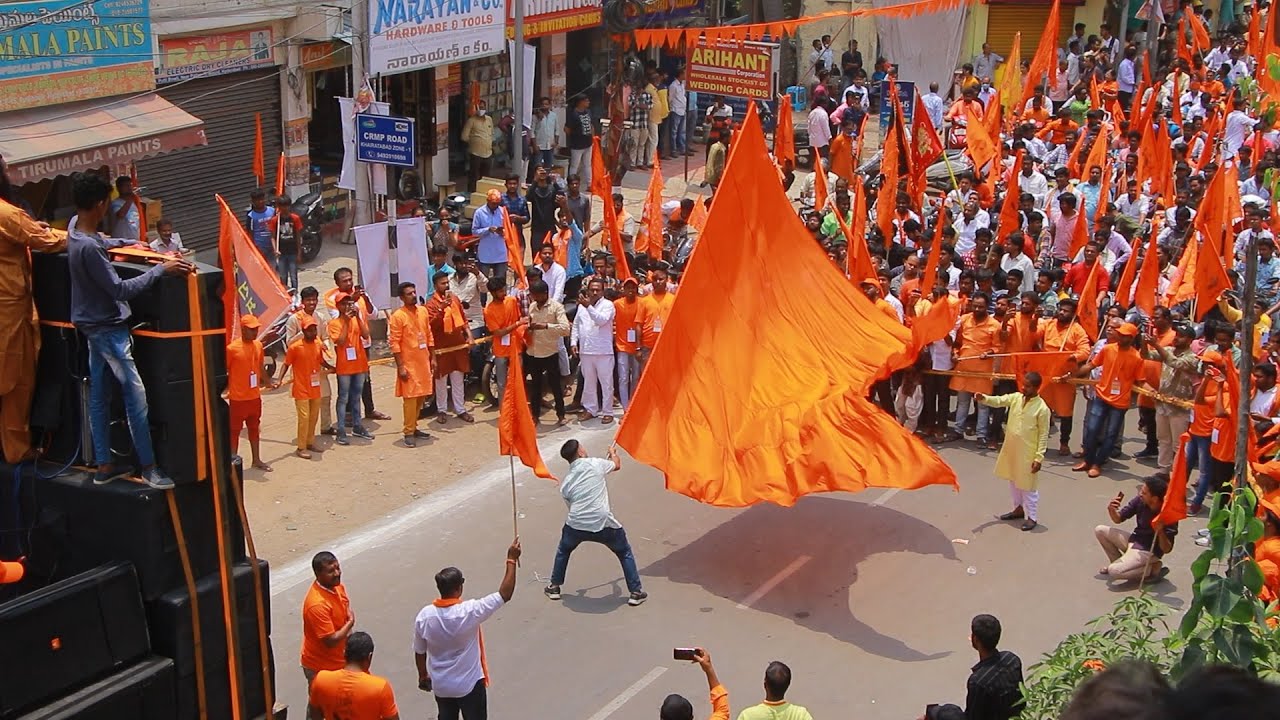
(1004, 21)
(186, 181)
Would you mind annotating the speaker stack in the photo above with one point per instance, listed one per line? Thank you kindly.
(104, 625)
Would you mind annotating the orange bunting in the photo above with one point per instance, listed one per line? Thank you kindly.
(792, 418)
(517, 435)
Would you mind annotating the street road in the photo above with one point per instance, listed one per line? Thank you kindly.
(867, 597)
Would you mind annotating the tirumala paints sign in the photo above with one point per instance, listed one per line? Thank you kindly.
(407, 35)
(549, 17)
(744, 71)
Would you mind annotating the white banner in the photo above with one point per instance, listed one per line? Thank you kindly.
(530, 64)
(378, 263)
(347, 178)
(408, 35)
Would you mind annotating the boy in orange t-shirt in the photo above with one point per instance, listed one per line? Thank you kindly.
(1121, 366)
(306, 356)
(349, 333)
(244, 388)
(352, 693)
(652, 314)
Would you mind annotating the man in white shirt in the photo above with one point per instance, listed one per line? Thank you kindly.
(1220, 55)
(934, 106)
(169, 242)
(985, 64)
(552, 272)
(967, 225)
(1015, 258)
(819, 124)
(1238, 127)
(592, 340)
(585, 492)
(678, 103)
(448, 646)
(859, 89)
(1133, 204)
(1034, 182)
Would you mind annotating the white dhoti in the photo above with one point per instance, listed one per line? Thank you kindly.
(597, 375)
(1028, 500)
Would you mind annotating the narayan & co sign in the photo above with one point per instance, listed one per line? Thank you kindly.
(61, 51)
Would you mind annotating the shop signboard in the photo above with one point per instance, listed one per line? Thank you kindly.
(550, 17)
(61, 51)
(184, 58)
(324, 55)
(385, 139)
(732, 70)
(659, 11)
(408, 35)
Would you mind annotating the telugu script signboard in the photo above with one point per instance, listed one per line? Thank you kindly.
(407, 35)
(732, 70)
(61, 51)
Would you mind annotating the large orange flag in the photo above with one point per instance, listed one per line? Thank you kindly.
(1149, 279)
(1010, 218)
(602, 187)
(935, 323)
(1045, 61)
(515, 254)
(1175, 498)
(517, 435)
(1211, 280)
(784, 134)
(1182, 286)
(772, 409)
(981, 148)
(259, 159)
(652, 218)
(1007, 80)
(251, 286)
(1087, 311)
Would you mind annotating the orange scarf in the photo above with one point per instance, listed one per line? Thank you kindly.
(484, 663)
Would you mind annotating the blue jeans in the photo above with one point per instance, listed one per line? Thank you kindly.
(112, 348)
(546, 158)
(613, 538)
(287, 269)
(676, 126)
(1102, 431)
(1198, 457)
(962, 414)
(350, 388)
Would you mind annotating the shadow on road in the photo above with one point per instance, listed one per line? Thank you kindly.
(738, 558)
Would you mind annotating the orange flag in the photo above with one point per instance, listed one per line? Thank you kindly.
(1127, 278)
(1176, 113)
(1095, 100)
(936, 322)
(515, 255)
(653, 212)
(602, 187)
(1199, 33)
(517, 435)
(1182, 285)
(1087, 311)
(251, 286)
(1010, 218)
(259, 159)
(991, 118)
(1175, 498)
(1007, 80)
(887, 199)
(858, 230)
(1098, 153)
(926, 146)
(820, 189)
(1045, 61)
(698, 217)
(859, 255)
(1211, 280)
(1254, 36)
(1104, 195)
(980, 146)
(1079, 235)
(280, 174)
(1049, 364)
(1149, 279)
(934, 259)
(784, 134)
(791, 418)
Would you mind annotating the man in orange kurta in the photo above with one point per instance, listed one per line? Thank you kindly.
(1019, 333)
(1062, 333)
(842, 152)
(19, 326)
(409, 334)
(977, 335)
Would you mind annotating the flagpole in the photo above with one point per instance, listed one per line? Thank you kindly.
(515, 523)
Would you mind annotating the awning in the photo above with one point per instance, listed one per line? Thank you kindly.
(62, 139)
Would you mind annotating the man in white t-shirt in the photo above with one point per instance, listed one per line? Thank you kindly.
(590, 520)
(448, 646)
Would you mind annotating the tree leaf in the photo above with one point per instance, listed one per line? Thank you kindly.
(1253, 530)
(1220, 594)
(1251, 575)
(1200, 567)
(1192, 616)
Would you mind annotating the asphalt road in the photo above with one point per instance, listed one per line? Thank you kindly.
(867, 597)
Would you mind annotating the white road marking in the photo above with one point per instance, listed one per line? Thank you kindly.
(626, 695)
(886, 497)
(773, 582)
(432, 506)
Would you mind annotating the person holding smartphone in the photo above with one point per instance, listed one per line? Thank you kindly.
(1137, 555)
(676, 707)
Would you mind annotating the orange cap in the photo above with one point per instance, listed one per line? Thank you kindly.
(1127, 329)
(307, 321)
(11, 572)
(1212, 357)
(250, 321)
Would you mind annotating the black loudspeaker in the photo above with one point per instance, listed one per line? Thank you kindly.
(142, 692)
(79, 525)
(170, 622)
(69, 634)
(164, 363)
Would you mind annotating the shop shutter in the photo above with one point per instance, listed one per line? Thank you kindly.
(1004, 21)
(186, 181)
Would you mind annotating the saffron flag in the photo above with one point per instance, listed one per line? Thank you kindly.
(820, 190)
(280, 174)
(256, 287)
(515, 254)
(1175, 498)
(935, 323)
(259, 159)
(1126, 279)
(1049, 364)
(1149, 279)
(1008, 78)
(1087, 311)
(1079, 234)
(1211, 280)
(698, 216)
(1045, 61)
(859, 255)
(981, 148)
(926, 146)
(1182, 284)
(784, 134)
(858, 230)
(517, 435)
(790, 417)
(1010, 218)
(602, 187)
(652, 221)
(1104, 195)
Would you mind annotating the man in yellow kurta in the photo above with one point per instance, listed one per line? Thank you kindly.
(1025, 439)
(409, 334)
(19, 327)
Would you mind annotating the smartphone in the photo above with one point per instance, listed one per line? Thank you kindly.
(686, 654)
(1120, 496)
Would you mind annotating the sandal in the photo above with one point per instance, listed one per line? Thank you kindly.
(442, 418)
(466, 417)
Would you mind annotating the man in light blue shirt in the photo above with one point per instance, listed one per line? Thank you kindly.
(491, 246)
(122, 215)
(934, 105)
(585, 492)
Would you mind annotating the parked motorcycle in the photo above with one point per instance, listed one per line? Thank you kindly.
(311, 209)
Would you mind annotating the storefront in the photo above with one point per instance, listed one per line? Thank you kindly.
(228, 80)
(327, 70)
(1006, 18)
